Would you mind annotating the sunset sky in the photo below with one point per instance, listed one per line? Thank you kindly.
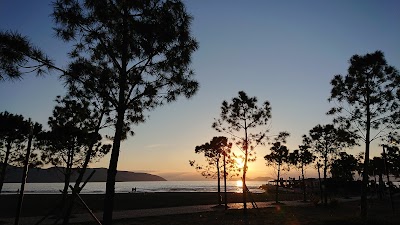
(285, 52)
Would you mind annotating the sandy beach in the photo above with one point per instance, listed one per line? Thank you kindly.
(343, 212)
(41, 204)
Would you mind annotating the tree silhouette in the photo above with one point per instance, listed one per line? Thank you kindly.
(34, 131)
(241, 117)
(134, 54)
(377, 168)
(300, 158)
(67, 144)
(214, 152)
(14, 131)
(18, 56)
(393, 160)
(326, 141)
(96, 109)
(392, 153)
(343, 167)
(367, 100)
(278, 157)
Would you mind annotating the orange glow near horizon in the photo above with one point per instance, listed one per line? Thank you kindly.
(239, 163)
(239, 183)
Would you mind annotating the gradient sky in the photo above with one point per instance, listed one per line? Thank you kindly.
(285, 52)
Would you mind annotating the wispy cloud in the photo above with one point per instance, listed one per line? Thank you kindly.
(156, 146)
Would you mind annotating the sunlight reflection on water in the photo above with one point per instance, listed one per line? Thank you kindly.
(141, 186)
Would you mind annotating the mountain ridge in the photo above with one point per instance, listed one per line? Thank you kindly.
(54, 175)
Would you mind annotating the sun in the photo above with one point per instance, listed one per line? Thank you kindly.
(239, 183)
(239, 163)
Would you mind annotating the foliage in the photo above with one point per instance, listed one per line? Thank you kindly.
(367, 99)
(326, 141)
(71, 126)
(240, 118)
(279, 152)
(393, 160)
(301, 158)
(370, 84)
(14, 132)
(17, 55)
(391, 144)
(218, 155)
(213, 152)
(134, 54)
(279, 156)
(67, 143)
(343, 167)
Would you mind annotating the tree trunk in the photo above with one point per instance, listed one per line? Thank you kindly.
(4, 165)
(219, 184)
(364, 189)
(304, 183)
(112, 170)
(82, 171)
(67, 175)
(325, 185)
(225, 194)
(119, 127)
(24, 176)
(244, 187)
(320, 183)
(388, 178)
(277, 185)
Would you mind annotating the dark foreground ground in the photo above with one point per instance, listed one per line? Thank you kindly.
(337, 212)
(41, 204)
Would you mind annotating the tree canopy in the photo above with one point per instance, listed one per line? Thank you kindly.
(367, 99)
(217, 153)
(239, 118)
(14, 132)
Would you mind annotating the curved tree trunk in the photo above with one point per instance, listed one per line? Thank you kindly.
(119, 127)
(112, 170)
(82, 172)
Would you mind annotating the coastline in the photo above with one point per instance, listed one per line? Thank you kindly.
(288, 212)
(41, 204)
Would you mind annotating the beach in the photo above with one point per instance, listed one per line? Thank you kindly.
(37, 205)
(41, 204)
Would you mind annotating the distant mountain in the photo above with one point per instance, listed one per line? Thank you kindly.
(53, 175)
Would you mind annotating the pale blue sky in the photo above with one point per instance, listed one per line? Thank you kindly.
(285, 52)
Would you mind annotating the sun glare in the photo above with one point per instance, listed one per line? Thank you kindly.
(239, 164)
(239, 183)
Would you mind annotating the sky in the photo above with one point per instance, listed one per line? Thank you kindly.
(285, 52)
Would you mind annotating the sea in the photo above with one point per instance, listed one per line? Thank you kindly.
(138, 186)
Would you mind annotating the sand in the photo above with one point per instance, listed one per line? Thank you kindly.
(340, 213)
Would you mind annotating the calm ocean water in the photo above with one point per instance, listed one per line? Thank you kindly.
(141, 186)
